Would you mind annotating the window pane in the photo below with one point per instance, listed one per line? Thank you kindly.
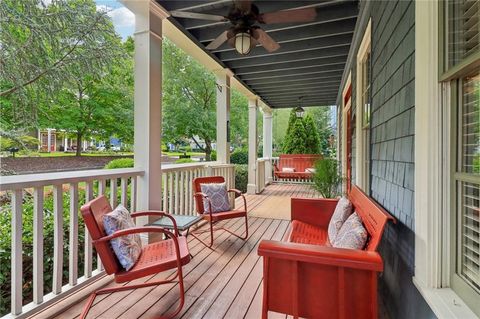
(470, 124)
(463, 29)
(470, 233)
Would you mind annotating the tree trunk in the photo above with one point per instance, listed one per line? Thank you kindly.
(79, 144)
(208, 151)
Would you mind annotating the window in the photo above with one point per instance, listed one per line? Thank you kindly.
(462, 74)
(363, 111)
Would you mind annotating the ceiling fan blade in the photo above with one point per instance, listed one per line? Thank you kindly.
(265, 40)
(243, 5)
(288, 16)
(218, 40)
(199, 16)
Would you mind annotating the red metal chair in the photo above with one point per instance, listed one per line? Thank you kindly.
(213, 218)
(156, 257)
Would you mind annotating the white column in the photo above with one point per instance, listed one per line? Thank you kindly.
(49, 139)
(267, 143)
(252, 145)
(148, 103)
(223, 116)
(65, 143)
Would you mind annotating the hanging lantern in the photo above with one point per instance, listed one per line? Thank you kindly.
(243, 43)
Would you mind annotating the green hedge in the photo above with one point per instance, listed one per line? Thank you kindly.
(184, 160)
(241, 177)
(239, 156)
(120, 163)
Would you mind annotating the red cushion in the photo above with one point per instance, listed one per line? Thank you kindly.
(304, 233)
(225, 215)
(156, 257)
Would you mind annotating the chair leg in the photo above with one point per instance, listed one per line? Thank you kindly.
(103, 291)
(236, 235)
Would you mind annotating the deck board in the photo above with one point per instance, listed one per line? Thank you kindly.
(222, 283)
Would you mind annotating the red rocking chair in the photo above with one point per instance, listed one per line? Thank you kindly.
(213, 218)
(156, 257)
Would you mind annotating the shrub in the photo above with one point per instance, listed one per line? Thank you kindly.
(120, 163)
(326, 178)
(239, 156)
(213, 156)
(241, 177)
(184, 160)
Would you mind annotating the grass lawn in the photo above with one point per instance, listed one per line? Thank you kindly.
(181, 153)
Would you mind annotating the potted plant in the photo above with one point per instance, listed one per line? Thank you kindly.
(326, 178)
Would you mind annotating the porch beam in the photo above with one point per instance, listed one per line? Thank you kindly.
(294, 72)
(299, 83)
(324, 25)
(313, 86)
(290, 65)
(264, 6)
(223, 115)
(315, 91)
(148, 103)
(267, 143)
(286, 57)
(326, 40)
(319, 102)
(252, 144)
(320, 75)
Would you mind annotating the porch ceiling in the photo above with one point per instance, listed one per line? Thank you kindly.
(310, 60)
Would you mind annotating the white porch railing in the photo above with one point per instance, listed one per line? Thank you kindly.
(178, 186)
(261, 177)
(275, 161)
(72, 189)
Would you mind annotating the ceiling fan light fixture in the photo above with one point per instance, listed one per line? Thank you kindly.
(243, 43)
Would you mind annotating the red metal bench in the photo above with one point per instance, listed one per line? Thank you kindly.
(299, 162)
(305, 277)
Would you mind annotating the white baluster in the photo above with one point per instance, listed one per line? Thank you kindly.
(124, 191)
(170, 192)
(16, 270)
(101, 191)
(177, 196)
(113, 192)
(73, 234)
(164, 189)
(183, 190)
(38, 245)
(57, 239)
(88, 238)
(133, 194)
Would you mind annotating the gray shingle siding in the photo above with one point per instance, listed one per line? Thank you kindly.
(392, 148)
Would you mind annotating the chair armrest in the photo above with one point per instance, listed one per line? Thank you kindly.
(276, 167)
(313, 211)
(323, 255)
(157, 213)
(239, 193)
(204, 196)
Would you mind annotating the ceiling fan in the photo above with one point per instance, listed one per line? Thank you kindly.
(244, 34)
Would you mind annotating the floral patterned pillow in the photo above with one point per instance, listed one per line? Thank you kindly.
(127, 248)
(352, 235)
(340, 215)
(218, 195)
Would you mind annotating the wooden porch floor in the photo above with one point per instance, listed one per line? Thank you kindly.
(221, 283)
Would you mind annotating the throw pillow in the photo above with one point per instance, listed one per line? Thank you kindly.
(310, 170)
(340, 215)
(288, 170)
(352, 235)
(218, 195)
(127, 248)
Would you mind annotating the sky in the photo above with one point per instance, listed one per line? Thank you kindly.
(123, 19)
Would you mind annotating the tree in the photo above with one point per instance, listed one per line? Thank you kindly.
(312, 143)
(189, 102)
(295, 140)
(322, 118)
(189, 108)
(99, 104)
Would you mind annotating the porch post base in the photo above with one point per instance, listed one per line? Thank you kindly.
(251, 189)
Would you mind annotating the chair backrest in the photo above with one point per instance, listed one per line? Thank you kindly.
(298, 161)
(373, 216)
(92, 213)
(197, 189)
